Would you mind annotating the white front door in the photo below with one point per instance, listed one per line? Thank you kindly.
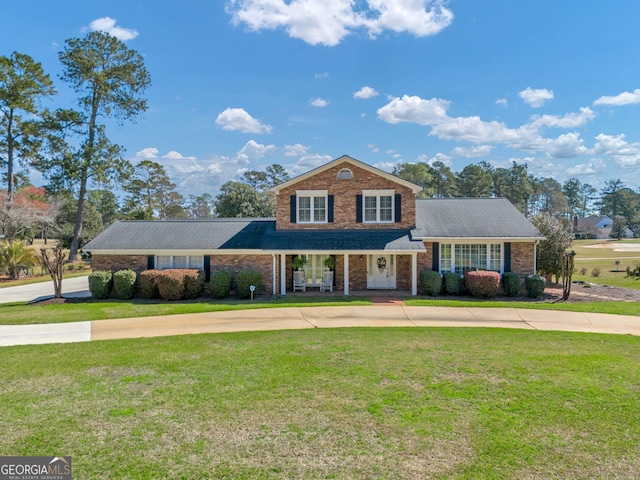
(381, 271)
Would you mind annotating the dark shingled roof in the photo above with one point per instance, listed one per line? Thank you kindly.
(223, 233)
(336, 240)
(471, 218)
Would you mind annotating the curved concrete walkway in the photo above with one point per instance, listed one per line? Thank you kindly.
(318, 317)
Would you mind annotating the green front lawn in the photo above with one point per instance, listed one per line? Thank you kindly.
(588, 258)
(331, 403)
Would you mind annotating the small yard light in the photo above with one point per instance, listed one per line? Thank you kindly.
(252, 288)
(617, 265)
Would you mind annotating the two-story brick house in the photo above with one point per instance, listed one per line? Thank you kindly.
(371, 223)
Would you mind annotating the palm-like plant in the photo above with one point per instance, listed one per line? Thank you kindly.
(15, 256)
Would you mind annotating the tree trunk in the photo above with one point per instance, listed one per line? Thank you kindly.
(77, 228)
(10, 186)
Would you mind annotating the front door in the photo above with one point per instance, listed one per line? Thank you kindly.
(381, 271)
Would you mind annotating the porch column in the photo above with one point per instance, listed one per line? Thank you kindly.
(274, 276)
(283, 274)
(414, 274)
(346, 274)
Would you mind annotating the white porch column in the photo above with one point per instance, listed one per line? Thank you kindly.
(346, 274)
(414, 274)
(283, 274)
(274, 274)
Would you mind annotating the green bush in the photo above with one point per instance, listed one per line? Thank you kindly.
(193, 282)
(220, 283)
(246, 278)
(511, 283)
(452, 283)
(535, 285)
(100, 283)
(124, 284)
(171, 284)
(148, 286)
(482, 283)
(430, 282)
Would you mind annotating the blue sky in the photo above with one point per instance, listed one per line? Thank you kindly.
(242, 84)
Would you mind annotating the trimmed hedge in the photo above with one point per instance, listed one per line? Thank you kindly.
(220, 283)
(430, 282)
(452, 283)
(100, 283)
(193, 283)
(170, 284)
(246, 278)
(124, 284)
(535, 285)
(148, 286)
(511, 283)
(482, 283)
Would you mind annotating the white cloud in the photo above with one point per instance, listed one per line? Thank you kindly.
(536, 97)
(253, 150)
(173, 155)
(624, 154)
(327, 22)
(149, 152)
(570, 120)
(503, 102)
(595, 165)
(297, 150)
(318, 102)
(238, 120)
(386, 166)
(365, 92)
(373, 148)
(438, 157)
(472, 152)
(414, 109)
(568, 145)
(108, 25)
(322, 75)
(625, 98)
(307, 162)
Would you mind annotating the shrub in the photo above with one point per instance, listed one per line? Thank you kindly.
(220, 283)
(583, 271)
(452, 283)
(193, 282)
(170, 284)
(148, 286)
(124, 284)
(482, 283)
(246, 278)
(511, 283)
(535, 285)
(430, 282)
(595, 272)
(100, 283)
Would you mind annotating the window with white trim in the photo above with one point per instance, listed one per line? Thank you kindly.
(312, 206)
(378, 206)
(461, 257)
(193, 262)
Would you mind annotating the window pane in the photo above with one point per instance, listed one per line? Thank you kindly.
(470, 257)
(304, 209)
(196, 262)
(163, 262)
(370, 209)
(445, 257)
(319, 209)
(494, 261)
(385, 209)
(180, 262)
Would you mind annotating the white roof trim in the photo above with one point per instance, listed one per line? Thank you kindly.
(478, 239)
(352, 161)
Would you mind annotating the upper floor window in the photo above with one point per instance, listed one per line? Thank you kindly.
(378, 206)
(312, 206)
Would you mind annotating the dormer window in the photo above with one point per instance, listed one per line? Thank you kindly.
(345, 173)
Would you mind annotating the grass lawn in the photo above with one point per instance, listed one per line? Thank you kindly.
(588, 258)
(335, 403)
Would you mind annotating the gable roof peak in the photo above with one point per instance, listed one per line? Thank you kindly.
(352, 161)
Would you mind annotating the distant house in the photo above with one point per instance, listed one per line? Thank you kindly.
(378, 234)
(595, 228)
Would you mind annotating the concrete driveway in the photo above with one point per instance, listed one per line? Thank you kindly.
(71, 288)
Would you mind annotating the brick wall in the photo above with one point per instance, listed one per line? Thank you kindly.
(237, 263)
(137, 263)
(425, 260)
(522, 258)
(344, 192)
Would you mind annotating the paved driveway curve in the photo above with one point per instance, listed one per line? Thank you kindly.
(71, 288)
(319, 317)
